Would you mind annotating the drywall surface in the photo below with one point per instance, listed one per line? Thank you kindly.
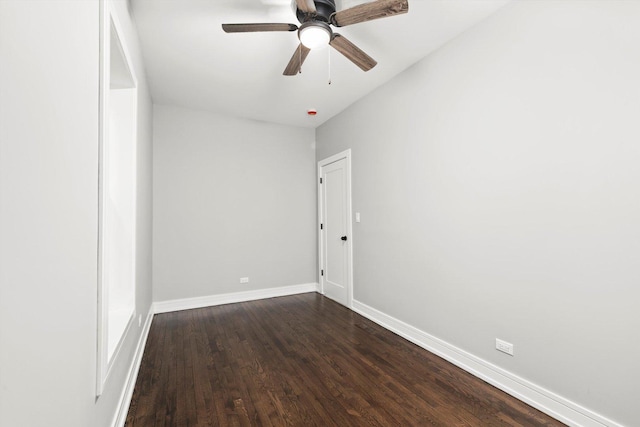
(49, 53)
(497, 182)
(232, 198)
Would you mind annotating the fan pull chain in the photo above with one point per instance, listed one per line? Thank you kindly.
(329, 63)
(300, 58)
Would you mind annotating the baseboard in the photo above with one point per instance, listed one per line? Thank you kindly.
(132, 374)
(544, 400)
(212, 300)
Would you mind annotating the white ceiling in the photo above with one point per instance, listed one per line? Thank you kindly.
(191, 62)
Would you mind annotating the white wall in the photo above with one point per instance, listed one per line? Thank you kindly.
(232, 198)
(49, 54)
(498, 186)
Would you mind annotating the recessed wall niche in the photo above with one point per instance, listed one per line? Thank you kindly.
(117, 203)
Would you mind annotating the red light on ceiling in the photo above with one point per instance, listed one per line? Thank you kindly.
(312, 112)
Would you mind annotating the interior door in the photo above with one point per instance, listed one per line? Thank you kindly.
(335, 230)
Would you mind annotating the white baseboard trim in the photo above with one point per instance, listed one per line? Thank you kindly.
(544, 400)
(212, 300)
(132, 374)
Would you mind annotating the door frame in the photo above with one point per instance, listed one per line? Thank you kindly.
(339, 156)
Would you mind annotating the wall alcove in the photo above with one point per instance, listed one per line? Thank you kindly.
(117, 200)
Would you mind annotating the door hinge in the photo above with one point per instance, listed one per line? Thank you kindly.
(322, 272)
(321, 227)
(320, 180)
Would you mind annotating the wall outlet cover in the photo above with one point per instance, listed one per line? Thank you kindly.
(505, 347)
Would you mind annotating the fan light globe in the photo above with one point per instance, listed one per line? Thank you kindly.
(314, 36)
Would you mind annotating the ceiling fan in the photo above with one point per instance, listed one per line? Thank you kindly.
(316, 18)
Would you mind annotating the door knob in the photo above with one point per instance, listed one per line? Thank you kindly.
(343, 238)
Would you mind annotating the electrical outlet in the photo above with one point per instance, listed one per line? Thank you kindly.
(244, 280)
(505, 347)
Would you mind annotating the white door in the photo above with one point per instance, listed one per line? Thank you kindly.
(335, 229)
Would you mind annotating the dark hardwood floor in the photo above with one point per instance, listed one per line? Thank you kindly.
(304, 361)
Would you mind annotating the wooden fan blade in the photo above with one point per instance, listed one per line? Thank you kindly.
(352, 52)
(251, 28)
(369, 11)
(294, 65)
(306, 6)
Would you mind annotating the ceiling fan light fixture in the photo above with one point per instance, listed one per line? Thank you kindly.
(315, 35)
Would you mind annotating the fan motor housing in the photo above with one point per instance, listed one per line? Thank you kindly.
(324, 8)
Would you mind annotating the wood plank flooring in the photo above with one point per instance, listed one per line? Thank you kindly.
(304, 361)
